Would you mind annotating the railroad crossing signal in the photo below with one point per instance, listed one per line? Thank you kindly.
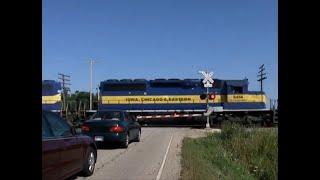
(207, 81)
(210, 96)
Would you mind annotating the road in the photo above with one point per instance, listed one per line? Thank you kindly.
(156, 156)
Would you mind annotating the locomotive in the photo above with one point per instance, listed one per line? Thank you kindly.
(188, 100)
(51, 96)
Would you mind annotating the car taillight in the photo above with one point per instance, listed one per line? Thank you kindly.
(116, 129)
(85, 128)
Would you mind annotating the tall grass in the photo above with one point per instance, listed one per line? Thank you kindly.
(235, 153)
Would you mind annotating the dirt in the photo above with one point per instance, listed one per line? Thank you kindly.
(196, 133)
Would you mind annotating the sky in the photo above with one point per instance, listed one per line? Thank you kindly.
(150, 39)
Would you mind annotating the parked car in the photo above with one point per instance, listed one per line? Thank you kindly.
(64, 151)
(112, 127)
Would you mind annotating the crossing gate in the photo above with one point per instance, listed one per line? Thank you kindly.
(169, 116)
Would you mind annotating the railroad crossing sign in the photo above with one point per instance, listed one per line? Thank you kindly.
(207, 81)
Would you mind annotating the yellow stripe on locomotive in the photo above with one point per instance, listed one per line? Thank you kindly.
(51, 99)
(182, 99)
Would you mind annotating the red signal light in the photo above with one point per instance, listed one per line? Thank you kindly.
(212, 96)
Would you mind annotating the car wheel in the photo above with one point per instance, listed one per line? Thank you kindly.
(125, 144)
(137, 139)
(89, 163)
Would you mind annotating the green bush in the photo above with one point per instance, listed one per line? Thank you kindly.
(235, 153)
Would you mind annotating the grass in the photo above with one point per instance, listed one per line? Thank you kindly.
(235, 153)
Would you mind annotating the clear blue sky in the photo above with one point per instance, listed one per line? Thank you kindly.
(151, 39)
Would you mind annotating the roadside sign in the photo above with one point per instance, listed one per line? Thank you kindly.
(207, 81)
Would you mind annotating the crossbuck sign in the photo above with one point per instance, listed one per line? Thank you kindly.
(207, 81)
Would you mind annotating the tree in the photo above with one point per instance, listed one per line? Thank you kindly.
(84, 97)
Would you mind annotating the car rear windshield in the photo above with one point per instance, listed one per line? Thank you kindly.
(107, 115)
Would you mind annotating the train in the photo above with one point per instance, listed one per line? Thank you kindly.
(182, 99)
(51, 95)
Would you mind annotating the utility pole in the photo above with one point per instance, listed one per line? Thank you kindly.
(64, 79)
(91, 64)
(261, 75)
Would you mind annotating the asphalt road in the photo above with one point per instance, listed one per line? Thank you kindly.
(156, 156)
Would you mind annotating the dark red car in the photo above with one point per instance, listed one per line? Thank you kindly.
(65, 152)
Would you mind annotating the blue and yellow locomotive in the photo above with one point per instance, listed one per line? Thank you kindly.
(153, 98)
(51, 96)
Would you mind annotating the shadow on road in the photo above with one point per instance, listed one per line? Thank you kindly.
(108, 147)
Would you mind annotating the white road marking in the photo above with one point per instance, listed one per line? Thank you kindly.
(164, 160)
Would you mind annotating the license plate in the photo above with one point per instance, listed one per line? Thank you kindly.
(98, 138)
